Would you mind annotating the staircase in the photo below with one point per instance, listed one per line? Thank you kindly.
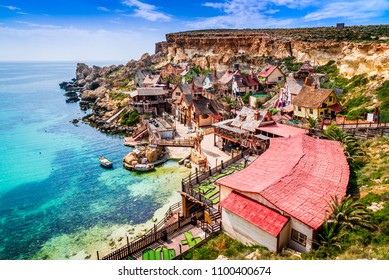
(215, 217)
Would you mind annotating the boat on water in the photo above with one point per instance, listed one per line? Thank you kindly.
(104, 162)
(143, 167)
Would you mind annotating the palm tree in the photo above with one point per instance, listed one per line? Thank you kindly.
(343, 215)
(229, 102)
(312, 122)
(351, 148)
(348, 213)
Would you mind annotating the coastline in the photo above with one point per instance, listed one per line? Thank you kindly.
(105, 239)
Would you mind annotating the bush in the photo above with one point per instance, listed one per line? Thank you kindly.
(246, 98)
(273, 111)
(130, 118)
(291, 65)
(356, 102)
(356, 114)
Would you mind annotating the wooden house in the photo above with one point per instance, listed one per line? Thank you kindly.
(316, 103)
(210, 81)
(197, 111)
(172, 70)
(149, 100)
(271, 75)
(140, 76)
(152, 81)
(280, 200)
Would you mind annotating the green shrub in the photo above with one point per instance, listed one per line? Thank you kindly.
(246, 98)
(130, 118)
(356, 102)
(291, 65)
(273, 111)
(356, 114)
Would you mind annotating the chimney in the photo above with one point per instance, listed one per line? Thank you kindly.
(193, 85)
(256, 115)
(214, 73)
(208, 105)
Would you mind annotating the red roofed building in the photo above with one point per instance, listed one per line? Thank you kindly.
(294, 178)
(271, 75)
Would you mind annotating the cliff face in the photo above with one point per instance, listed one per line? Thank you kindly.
(221, 49)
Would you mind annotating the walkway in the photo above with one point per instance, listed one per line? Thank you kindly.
(115, 115)
(175, 241)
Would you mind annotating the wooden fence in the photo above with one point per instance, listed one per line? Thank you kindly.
(180, 142)
(196, 178)
(153, 235)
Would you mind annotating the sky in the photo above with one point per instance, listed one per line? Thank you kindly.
(121, 30)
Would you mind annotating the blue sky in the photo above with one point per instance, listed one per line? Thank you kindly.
(120, 30)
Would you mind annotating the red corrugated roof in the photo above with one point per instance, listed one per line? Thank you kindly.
(282, 130)
(267, 71)
(254, 212)
(298, 175)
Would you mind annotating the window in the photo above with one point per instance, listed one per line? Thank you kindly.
(330, 99)
(280, 78)
(299, 109)
(311, 111)
(299, 237)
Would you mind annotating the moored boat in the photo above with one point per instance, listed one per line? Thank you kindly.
(143, 167)
(104, 162)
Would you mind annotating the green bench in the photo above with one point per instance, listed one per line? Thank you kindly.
(190, 240)
(148, 254)
(211, 194)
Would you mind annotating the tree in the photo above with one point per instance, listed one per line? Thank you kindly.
(312, 122)
(351, 148)
(342, 215)
(347, 214)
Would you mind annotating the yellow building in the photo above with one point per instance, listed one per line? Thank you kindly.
(316, 103)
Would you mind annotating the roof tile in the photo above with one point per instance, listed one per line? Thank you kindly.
(298, 175)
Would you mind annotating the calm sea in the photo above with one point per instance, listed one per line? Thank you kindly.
(55, 199)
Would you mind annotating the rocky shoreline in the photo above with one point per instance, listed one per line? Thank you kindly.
(100, 90)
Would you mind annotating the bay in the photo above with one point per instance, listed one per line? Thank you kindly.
(56, 202)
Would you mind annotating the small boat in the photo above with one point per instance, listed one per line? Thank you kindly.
(143, 167)
(104, 162)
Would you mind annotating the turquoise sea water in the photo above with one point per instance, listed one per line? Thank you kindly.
(55, 199)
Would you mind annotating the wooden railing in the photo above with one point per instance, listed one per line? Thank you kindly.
(190, 182)
(140, 130)
(180, 142)
(364, 125)
(157, 232)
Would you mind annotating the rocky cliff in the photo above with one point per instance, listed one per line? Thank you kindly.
(356, 50)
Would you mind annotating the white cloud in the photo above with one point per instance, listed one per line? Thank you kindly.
(246, 14)
(37, 25)
(146, 11)
(12, 8)
(271, 11)
(103, 9)
(22, 13)
(360, 9)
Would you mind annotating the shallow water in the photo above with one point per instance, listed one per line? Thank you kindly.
(54, 196)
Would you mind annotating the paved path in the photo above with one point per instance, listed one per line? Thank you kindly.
(115, 116)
